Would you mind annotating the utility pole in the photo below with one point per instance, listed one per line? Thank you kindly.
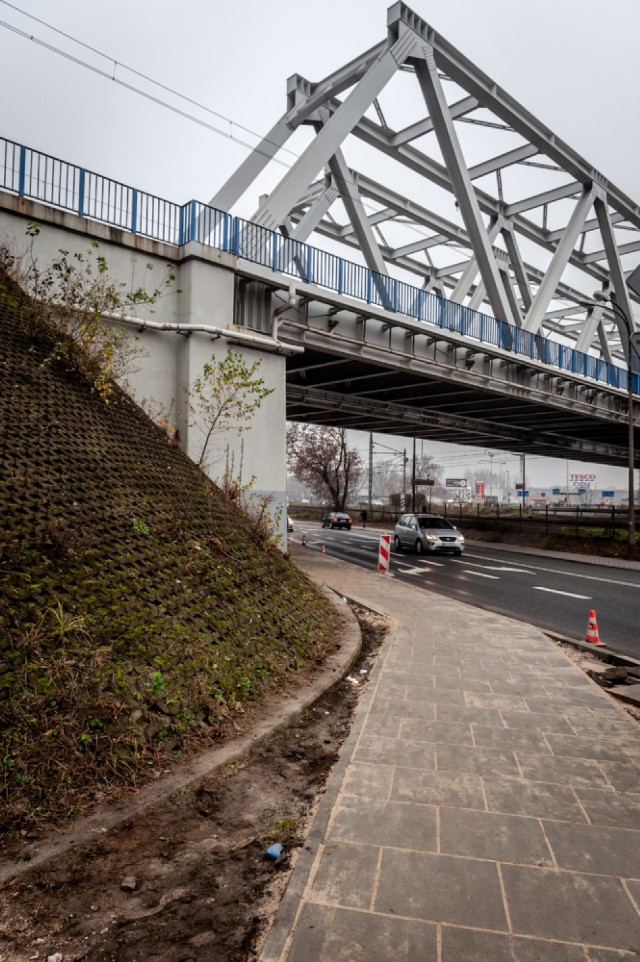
(492, 455)
(404, 479)
(523, 462)
(370, 472)
(413, 479)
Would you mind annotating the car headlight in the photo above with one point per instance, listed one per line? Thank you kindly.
(431, 537)
(461, 538)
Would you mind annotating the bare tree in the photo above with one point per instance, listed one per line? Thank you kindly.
(321, 458)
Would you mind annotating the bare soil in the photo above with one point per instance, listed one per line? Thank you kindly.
(202, 886)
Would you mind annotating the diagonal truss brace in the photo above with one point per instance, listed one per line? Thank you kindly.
(273, 212)
(429, 80)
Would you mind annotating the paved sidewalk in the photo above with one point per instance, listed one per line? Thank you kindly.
(485, 808)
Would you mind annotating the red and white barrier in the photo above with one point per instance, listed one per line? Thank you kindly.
(384, 553)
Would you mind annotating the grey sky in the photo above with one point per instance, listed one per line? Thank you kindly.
(572, 63)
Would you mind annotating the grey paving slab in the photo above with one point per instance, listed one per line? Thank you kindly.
(392, 751)
(468, 716)
(412, 678)
(525, 687)
(624, 776)
(380, 724)
(590, 909)
(536, 799)
(563, 769)
(582, 747)
(436, 731)
(634, 889)
(368, 780)
(610, 807)
(532, 721)
(511, 738)
(495, 702)
(497, 837)
(346, 875)
(469, 945)
(439, 888)
(591, 725)
(456, 758)
(566, 702)
(439, 696)
(402, 708)
(596, 849)
(438, 788)
(325, 934)
(450, 683)
(392, 824)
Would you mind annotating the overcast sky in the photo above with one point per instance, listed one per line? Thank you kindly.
(572, 63)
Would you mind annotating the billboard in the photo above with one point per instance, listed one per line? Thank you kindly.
(456, 483)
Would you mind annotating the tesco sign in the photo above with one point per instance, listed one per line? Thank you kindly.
(582, 480)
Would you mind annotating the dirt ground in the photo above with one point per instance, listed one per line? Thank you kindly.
(189, 880)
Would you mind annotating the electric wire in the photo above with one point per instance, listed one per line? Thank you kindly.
(111, 75)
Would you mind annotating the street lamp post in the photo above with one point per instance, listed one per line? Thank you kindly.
(632, 348)
(492, 455)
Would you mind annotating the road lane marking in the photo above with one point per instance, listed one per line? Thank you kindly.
(411, 571)
(567, 594)
(570, 574)
(470, 564)
(481, 574)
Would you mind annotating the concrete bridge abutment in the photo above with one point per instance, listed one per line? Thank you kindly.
(190, 323)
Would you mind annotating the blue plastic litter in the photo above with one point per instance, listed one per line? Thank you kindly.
(275, 851)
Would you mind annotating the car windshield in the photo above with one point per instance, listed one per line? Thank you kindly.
(426, 522)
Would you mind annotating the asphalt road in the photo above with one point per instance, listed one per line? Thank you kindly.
(554, 594)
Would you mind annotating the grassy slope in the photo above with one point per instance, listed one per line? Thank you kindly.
(138, 616)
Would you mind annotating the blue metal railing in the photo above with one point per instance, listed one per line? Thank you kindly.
(30, 173)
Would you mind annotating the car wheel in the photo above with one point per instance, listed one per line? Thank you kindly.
(419, 547)
(458, 552)
(348, 527)
(397, 544)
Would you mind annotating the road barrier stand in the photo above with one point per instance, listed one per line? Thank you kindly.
(323, 549)
(384, 553)
(304, 540)
(592, 635)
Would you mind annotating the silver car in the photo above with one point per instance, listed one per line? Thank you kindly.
(427, 533)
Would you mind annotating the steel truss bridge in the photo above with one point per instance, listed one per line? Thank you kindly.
(455, 301)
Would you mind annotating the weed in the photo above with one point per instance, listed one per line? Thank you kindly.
(140, 526)
(157, 683)
(285, 826)
(65, 623)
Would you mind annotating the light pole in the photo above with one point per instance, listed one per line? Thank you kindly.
(492, 455)
(632, 348)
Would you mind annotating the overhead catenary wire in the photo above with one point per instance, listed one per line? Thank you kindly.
(110, 75)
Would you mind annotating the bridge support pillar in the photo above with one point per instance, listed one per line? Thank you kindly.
(256, 456)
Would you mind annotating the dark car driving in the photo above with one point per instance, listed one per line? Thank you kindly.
(337, 519)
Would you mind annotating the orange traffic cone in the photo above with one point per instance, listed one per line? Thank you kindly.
(592, 635)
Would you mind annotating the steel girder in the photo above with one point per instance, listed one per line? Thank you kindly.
(494, 207)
